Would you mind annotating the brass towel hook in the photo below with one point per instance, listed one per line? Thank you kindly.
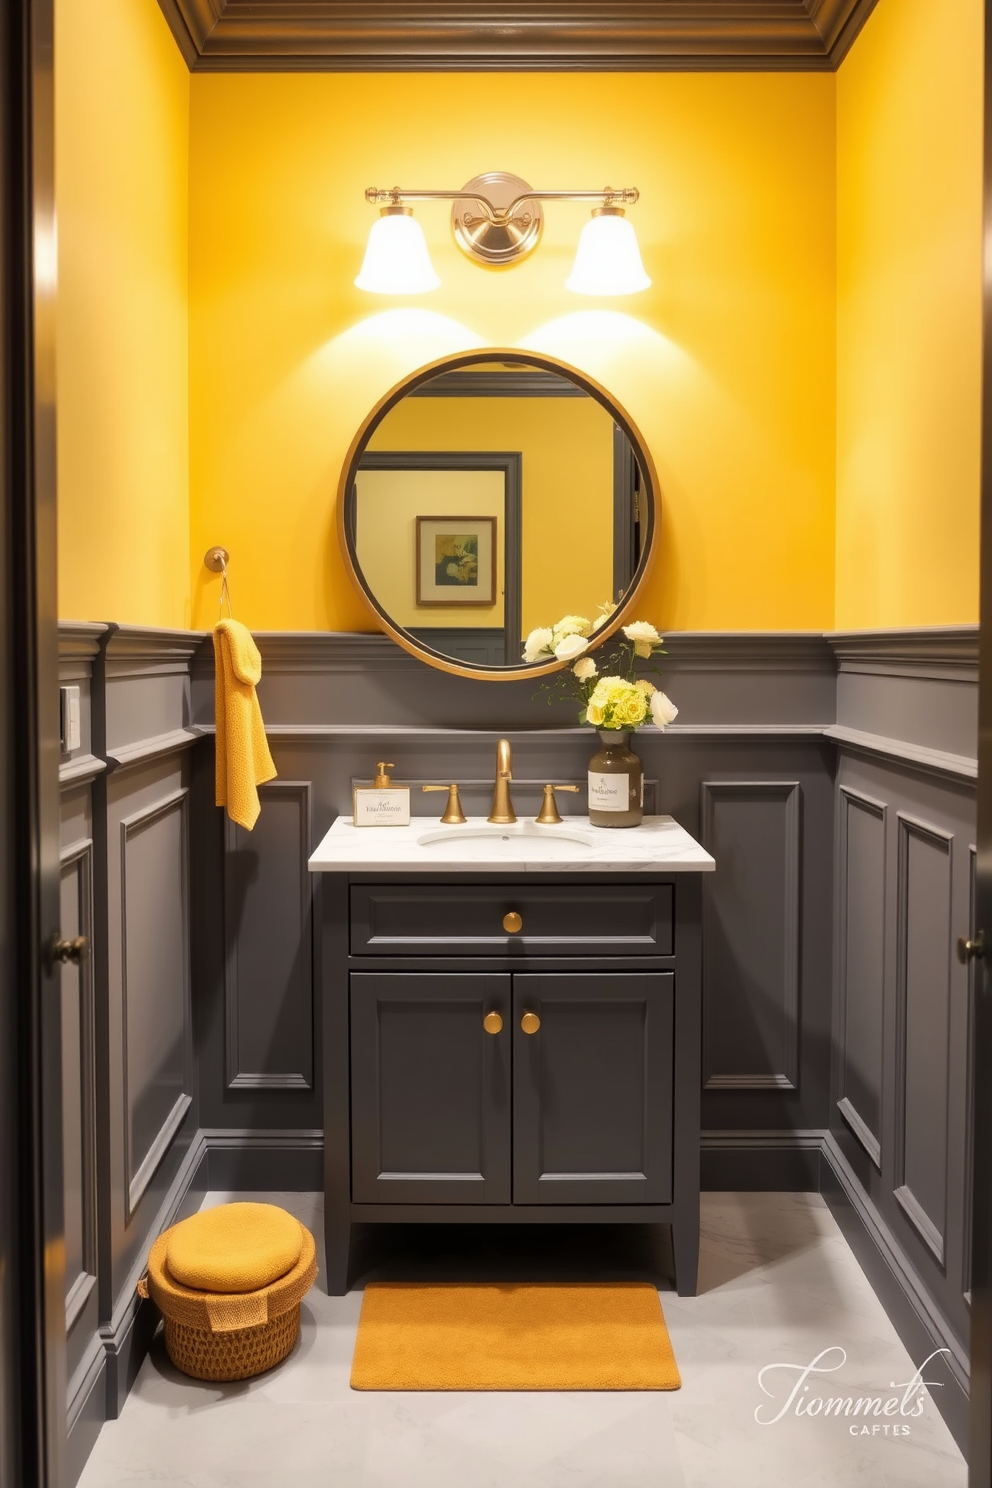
(217, 559)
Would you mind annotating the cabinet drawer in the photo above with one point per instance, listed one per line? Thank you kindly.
(571, 919)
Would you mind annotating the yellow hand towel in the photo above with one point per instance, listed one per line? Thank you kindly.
(243, 758)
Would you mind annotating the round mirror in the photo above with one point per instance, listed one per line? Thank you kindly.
(492, 493)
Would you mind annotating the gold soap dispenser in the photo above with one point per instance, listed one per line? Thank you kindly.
(381, 804)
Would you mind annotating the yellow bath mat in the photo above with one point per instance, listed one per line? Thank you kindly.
(514, 1337)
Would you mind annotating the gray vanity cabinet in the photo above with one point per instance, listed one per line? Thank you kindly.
(592, 1088)
(430, 1089)
(498, 1051)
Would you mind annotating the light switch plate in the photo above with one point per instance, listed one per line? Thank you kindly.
(71, 731)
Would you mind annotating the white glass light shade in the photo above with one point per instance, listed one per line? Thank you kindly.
(396, 258)
(607, 260)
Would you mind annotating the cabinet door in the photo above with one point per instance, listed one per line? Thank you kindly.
(430, 1089)
(592, 1088)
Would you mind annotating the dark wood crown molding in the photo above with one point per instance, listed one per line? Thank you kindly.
(514, 35)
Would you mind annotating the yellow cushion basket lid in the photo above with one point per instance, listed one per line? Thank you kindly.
(234, 1248)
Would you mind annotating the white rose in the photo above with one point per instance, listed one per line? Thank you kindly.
(539, 640)
(570, 646)
(663, 710)
(585, 668)
(644, 637)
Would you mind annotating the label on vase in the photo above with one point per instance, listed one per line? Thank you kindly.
(608, 792)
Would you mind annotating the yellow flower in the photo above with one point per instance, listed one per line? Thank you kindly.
(646, 687)
(570, 625)
(616, 703)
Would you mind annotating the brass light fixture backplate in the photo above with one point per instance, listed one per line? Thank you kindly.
(502, 242)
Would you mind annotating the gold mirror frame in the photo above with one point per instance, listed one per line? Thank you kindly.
(508, 356)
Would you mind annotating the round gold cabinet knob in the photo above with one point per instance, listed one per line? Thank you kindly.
(512, 923)
(492, 1023)
(530, 1022)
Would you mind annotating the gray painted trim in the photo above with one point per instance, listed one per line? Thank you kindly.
(920, 1220)
(875, 746)
(82, 852)
(791, 651)
(137, 650)
(79, 771)
(261, 1160)
(79, 640)
(156, 1152)
(137, 1181)
(128, 1331)
(861, 1130)
(77, 1296)
(306, 731)
(878, 809)
(884, 1258)
(763, 1139)
(907, 826)
(145, 750)
(790, 792)
(941, 652)
(969, 1099)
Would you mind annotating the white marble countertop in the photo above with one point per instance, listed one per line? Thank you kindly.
(574, 846)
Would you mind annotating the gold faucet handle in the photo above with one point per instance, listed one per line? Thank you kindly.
(453, 813)
(549, 813)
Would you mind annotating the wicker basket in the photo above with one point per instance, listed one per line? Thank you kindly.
(229, 1336)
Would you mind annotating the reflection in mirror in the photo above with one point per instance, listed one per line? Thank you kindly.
(490, 500)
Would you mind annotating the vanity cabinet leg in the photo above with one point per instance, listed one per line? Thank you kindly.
(337, 1248)
(685, 1248)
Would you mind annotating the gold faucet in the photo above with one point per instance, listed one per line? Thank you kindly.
(503, 813)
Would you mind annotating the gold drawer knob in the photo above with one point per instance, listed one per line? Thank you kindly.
(512, 922)
(530, 1022)
(492, 1023)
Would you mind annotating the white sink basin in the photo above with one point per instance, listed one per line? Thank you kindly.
(554, 842)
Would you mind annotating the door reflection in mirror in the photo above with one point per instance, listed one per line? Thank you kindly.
(490, 500)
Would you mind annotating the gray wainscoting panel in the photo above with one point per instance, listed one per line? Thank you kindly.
(861, 964)
(751, 920)
(269, 989)
(156, 987)
(922, 1015)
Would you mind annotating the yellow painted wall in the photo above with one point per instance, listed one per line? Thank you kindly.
(566, 446)
(909, 130)
(122, 135)
(726, 364)
(387, 507)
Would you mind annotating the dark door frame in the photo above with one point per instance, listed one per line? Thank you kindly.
(511, 464)
(980, 1383)
(32, 1283)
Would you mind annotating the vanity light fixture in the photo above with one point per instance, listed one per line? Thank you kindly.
(497, 220)
(396, 257)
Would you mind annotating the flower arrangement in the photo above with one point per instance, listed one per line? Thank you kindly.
(611, 698)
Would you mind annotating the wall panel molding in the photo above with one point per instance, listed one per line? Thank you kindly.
(860, 918)
(923, 940)
(627, 35)
(150, 925)
(79, 1084)
(268, 984)
(751, 950)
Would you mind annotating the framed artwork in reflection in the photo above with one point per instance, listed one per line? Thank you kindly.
(456, 560)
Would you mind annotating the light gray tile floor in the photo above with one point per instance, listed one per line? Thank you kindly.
(778, 1285)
